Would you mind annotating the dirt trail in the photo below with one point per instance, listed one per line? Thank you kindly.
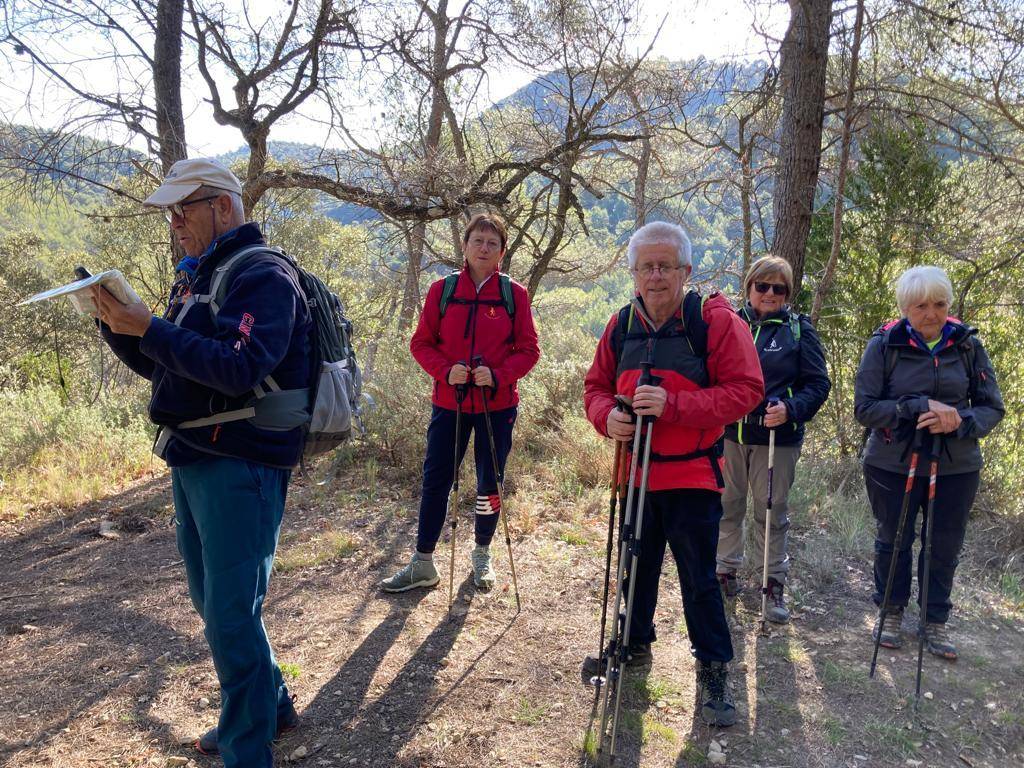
(104, 663)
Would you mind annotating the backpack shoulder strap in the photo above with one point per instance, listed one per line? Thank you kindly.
(622, 326)
(448, 290)
(226, 272)
(795, 324)
(892, 356)
(694, 325)
(507, 297)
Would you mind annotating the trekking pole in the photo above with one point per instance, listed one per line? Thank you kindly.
(453, 507)
(884, 607)
(768, 524)
(617, 466)
(629, 551)
(922, 619)
(499, 477)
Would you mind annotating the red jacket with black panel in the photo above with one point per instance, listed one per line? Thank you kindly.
(704, 393)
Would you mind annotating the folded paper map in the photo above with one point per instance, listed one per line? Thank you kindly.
(81, 296)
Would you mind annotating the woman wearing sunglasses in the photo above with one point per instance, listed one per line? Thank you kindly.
(796, 385)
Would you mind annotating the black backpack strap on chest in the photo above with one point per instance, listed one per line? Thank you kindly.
(694, 328)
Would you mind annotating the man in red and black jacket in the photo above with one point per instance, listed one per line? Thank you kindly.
(475, 334)
(707, 375)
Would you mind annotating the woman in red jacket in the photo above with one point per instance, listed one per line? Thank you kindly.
(475, 332)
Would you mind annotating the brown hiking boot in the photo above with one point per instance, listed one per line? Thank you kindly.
(892, 629)
(939, 642)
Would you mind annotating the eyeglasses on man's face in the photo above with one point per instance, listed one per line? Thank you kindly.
(178, 209)
(776, 288)
(647, 270)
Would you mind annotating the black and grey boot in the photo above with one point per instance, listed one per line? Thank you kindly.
(716, 705)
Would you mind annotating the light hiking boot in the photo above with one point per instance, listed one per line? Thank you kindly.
(713, 696)
(730, 585)
(939, 642)
(775, 609)
(637, 655)
(418, 573)
(892, 629)
(483, 574)
(287, 720)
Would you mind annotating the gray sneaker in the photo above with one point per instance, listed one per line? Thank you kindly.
(418, 573)
(483, 574)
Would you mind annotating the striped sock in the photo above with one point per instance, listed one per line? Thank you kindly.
(487, 508)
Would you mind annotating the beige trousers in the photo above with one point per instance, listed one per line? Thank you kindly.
(746, 466)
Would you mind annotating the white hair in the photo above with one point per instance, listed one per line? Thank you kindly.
(925, 283)
(661, 233)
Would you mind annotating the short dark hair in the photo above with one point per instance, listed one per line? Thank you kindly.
(490, 221)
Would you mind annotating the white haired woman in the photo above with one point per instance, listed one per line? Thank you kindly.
(925, 371)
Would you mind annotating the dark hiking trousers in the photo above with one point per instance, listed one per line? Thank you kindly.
(687, 520)
(439, 469)
(954, 495)
(228, 517)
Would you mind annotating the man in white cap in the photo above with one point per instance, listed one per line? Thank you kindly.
(209, 366)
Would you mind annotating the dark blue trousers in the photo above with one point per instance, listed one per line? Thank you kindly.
(228, 514)
(687, 520)
(439, 469)
(954, 495)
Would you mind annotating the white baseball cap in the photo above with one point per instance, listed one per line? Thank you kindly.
(186, 176)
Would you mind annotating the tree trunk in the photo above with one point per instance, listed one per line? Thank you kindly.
(416, 241)
(825, 284)
(746, 191)
(802, 73)
(170, 124)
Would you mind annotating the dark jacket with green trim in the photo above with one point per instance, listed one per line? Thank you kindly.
(891, 408)
(794, 374)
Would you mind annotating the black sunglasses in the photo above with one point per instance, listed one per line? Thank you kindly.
(778, 290)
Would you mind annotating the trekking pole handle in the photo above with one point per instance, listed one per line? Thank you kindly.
(622, 404)
(646, 377)
(460, 389)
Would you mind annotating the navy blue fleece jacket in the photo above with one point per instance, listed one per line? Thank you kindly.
(209, 365)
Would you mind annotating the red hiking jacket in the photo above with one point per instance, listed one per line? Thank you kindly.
(695, 416)
(509, 348)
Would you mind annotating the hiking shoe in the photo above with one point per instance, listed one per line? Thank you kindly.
(775, 609)
(892, 629)
(287, 720)
(713, 696)
(637, 655)
(730, 585)
(418, 573)
(939, 642)
(483, 574)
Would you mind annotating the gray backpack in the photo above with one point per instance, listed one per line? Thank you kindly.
(331, 404)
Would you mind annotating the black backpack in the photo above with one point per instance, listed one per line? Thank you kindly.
(694, 326)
